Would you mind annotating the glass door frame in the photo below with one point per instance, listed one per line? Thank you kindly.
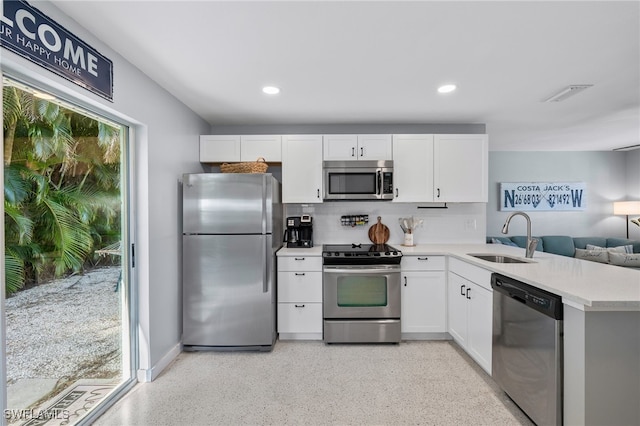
(128, 286)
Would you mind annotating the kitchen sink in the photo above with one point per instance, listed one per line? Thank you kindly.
(498, 258)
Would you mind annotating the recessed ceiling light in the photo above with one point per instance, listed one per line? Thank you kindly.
(447, 88)
(271, 90)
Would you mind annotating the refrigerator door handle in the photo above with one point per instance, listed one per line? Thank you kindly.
(266, 277)
(264, 204)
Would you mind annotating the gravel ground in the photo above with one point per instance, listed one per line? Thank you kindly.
(67, 329)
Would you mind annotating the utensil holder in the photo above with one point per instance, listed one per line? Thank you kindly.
(408, 239)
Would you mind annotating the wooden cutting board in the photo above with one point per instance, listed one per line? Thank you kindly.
(379, 233)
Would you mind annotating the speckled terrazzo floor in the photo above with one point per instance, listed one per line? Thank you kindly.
(301, 383)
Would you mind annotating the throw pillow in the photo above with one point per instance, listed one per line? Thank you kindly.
(601, 256)
(623, 259)
(506, 243)
(619, 249)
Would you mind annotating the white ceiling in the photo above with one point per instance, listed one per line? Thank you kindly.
(356, 62)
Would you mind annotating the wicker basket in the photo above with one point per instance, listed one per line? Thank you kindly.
(258, 166)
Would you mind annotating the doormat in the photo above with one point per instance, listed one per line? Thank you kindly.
(67, 408)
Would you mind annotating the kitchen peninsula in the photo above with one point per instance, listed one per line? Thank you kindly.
(601, 323)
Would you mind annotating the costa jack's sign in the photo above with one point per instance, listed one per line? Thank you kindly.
(542, 196)
(33, 35)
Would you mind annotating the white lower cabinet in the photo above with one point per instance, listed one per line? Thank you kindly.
(423, 297)
(300, 298)
(470, 311)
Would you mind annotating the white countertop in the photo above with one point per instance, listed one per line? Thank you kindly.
(581, 283)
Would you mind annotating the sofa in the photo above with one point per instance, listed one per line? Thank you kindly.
(616, 251)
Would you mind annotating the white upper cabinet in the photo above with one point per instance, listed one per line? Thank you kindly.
(302, 169)
(413, 168)
(219, 148)
(235, 148)
(440, 168)
(461, 168)
(340, 147)
(357, 147)
(253, 147)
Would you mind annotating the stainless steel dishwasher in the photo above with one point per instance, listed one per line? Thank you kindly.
(527, 348)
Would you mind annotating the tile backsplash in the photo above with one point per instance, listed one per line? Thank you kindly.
(458, 223)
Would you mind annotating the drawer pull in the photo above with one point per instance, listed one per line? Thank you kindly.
(298, 258)
(300, 274)
(299, 306)
(462, 290)
(423, 258)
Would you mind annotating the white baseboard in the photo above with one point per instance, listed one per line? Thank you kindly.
(152, 373)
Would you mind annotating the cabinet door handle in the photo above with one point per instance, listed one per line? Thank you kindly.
(438, 192)
(405, 280)
(353, 151)
(318, 193)
(298, 258)
(462, 290)
(423, 258)
(300, 274)
(361, 152)
(468, 290)
(396, 192)
(299, 306)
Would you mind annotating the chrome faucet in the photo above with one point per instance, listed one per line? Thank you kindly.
(532, 243)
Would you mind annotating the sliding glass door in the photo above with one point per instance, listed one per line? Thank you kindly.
(68, 289)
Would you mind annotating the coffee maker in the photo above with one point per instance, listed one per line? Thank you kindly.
(299, 232)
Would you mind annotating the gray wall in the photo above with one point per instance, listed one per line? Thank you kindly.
(605, 175)
(290, 129)
(166, 137)
(633, 174)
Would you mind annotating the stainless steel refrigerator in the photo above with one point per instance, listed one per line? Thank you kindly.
(232, 227)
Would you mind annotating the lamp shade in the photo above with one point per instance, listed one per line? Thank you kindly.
(626, 207)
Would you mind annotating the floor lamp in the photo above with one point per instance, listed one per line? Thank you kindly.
(626, 208)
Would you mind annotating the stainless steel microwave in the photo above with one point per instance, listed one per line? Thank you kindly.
(358, 180)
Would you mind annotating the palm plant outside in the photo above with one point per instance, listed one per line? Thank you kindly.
(61, 188)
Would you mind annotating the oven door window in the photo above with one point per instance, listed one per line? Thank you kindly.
(352, 183)
(359, 291)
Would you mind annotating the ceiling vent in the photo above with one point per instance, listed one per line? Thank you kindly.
(567, 92)
(627, 148)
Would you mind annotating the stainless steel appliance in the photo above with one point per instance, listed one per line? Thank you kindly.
(361, 293)
(229, 298)
(299, 232)
(527, 347)
(358, 180)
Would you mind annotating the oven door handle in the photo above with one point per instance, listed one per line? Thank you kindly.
(365, 270)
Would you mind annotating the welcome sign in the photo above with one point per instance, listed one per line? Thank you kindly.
(31, 34)
(542, 196)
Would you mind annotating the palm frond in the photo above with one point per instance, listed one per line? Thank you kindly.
(14, 272)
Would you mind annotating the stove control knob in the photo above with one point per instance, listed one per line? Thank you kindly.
(387, 253)
(395, 253)
(336, 254)
(376, 254)
(327, 254)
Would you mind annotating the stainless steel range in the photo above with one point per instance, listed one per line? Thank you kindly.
(361, 293)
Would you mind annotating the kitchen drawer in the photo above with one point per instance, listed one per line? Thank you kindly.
(299, 317)
(473, 273)
(299, 286)
(300, 263)
(423, 263)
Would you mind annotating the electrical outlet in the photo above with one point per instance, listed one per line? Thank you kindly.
(470, 225)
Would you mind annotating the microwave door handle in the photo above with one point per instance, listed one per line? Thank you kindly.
(379, 185)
